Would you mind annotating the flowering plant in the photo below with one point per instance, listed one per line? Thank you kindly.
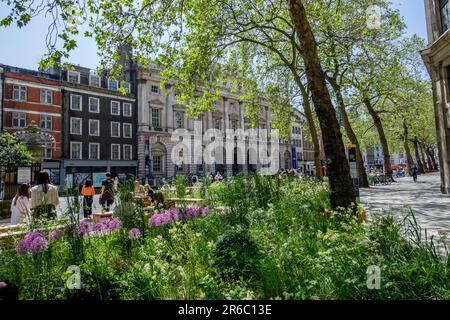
(33, 242)
(134, 234)
(174, 214)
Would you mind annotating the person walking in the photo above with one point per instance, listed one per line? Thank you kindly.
(414, 173)
(44, 197)
(88, 193)
(107, 194)
(20, 206)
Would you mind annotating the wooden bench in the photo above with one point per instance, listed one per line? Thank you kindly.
(98, 216)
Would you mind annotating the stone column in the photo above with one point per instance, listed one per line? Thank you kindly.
(241, 115)
(210, 124)
(226, 107)
(224, 113)
(143, 110)
(141, 154)
(170, 114)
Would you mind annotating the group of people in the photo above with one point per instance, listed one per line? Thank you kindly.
(413, 172)
(107, 194)
(41, 200)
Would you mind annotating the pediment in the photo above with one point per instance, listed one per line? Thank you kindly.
(179, 107)
(156, 102)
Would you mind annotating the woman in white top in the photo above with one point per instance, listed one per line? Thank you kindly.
(44, 197)
(20, 206)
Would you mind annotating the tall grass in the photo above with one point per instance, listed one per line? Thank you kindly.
(268, 238)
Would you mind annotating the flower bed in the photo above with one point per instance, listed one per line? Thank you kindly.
(277, 242)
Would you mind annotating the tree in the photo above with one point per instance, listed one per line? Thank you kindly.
(407, 106)
(200, 43)
(342, 191)
(13, 154)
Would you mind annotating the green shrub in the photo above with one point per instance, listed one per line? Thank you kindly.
(236, 255)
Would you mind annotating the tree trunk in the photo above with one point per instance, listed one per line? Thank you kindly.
(312, 129)
(433, 159)
(417, 155)
(429, 160)
(363, 181)
(384, 145)
(423, 157)
(342, 192)
(409, 159)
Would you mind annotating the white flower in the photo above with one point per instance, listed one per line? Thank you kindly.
(173, 230)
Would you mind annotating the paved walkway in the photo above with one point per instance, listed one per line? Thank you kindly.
(431, 208)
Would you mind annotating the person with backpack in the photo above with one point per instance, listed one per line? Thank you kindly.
(107, 193)
(88, 193)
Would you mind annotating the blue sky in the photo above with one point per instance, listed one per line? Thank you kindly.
(24, 47)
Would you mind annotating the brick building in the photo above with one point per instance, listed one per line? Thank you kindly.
(32, 96)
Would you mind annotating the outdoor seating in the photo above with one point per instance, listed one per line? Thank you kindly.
(98, 216)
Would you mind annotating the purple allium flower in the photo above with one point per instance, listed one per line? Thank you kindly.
(83, 228)
(33, 242)
(114, 224)
(98, 226)
(134, 234)
(193, 211)
(159, 219)
(205, 211)
(174, 213)
(55, 235)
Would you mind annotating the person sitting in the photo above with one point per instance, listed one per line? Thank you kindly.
(158, 198)
(20, 206)
(149, 192)
(44, 197)
(139, 190)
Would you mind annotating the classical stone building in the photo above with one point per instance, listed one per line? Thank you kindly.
(159, 115)
(437, 59)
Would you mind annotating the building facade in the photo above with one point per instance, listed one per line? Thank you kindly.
(90, 127)
(160, 116)
(99, 126)
(34, 97)
(301, 141)
(437, 59)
